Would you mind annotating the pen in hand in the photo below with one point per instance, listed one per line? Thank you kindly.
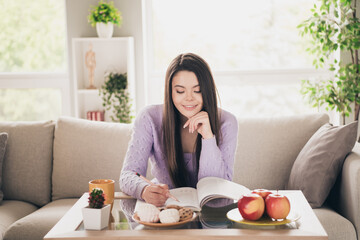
(151, 183)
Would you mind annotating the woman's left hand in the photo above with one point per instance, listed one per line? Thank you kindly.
(200, 123)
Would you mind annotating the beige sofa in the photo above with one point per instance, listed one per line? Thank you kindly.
(47, 165)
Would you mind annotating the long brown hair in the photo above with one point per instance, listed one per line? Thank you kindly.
(171, 117)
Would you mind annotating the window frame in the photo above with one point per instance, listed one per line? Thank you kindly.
(40, 80)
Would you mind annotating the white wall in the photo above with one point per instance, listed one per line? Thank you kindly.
(78, 26)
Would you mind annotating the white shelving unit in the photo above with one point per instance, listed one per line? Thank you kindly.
(111, 55)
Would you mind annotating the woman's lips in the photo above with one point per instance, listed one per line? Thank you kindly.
(189, 107)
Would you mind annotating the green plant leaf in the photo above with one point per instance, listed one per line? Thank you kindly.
(105, 12)
(116, 97)
(331, 30)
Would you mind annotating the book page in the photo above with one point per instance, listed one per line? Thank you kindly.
(210, 188)
(187, 196)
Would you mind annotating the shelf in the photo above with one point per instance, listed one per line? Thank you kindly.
(88, 91)
(106, 40)
(111, 55)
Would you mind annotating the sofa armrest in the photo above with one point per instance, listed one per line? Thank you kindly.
(348, 204)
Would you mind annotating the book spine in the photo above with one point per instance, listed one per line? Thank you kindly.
(93, 115)
(88, 115)
(98, 116)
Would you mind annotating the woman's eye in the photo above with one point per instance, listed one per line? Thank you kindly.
(198, 91)
(180, 92)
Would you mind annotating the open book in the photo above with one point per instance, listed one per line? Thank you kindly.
(207, 189)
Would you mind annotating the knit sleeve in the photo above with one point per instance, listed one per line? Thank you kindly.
(137, 155)
(218, 161)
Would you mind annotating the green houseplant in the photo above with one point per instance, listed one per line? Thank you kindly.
(104, 16)
(116, 97)
(334, 26)
(96, 215)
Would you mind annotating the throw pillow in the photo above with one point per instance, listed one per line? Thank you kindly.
(3, 140)
(27, 166)
(319, 162)
(86, 150)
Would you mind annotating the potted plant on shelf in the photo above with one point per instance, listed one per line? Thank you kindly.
(96, 214)
(334, 26)
(116, 97)
(104, 16)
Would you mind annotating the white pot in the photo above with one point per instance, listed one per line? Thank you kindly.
(104, 30)
(96, 219)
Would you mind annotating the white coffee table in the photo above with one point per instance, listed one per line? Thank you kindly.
(307, 227)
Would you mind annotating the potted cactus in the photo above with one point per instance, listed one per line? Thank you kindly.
(96, 214)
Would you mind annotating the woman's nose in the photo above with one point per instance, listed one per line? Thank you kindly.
(189, 96)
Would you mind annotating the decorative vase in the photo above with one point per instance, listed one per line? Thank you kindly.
(96, 218)
(104, 30)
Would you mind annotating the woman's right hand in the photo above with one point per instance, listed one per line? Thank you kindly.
(156, 194)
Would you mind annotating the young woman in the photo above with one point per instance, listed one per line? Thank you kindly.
(186, 138)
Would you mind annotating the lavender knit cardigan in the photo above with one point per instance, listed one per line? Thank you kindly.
(146, 144)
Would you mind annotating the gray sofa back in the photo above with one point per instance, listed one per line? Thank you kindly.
(44, 161)
(27, 165)
(268, 147)
(266, 151)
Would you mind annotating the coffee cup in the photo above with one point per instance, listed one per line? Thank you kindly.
(107, 185)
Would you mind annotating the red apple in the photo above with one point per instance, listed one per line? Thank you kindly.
(262, 192)
(277, 206)
(251, 206)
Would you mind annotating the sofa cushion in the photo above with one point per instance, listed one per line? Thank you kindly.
(11, 211)
(335, 225)
(37, 224)
(318, 164)
(267, 148)
(3, 140)
(86, 150)
(28, 161)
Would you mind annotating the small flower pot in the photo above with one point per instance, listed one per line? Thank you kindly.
(96, 218)
(104, 30)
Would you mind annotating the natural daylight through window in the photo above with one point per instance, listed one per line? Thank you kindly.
(32, 59)
(253, 47)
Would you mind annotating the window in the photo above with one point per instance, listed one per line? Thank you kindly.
(253, 48)
(33, 78)
(28, 104)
